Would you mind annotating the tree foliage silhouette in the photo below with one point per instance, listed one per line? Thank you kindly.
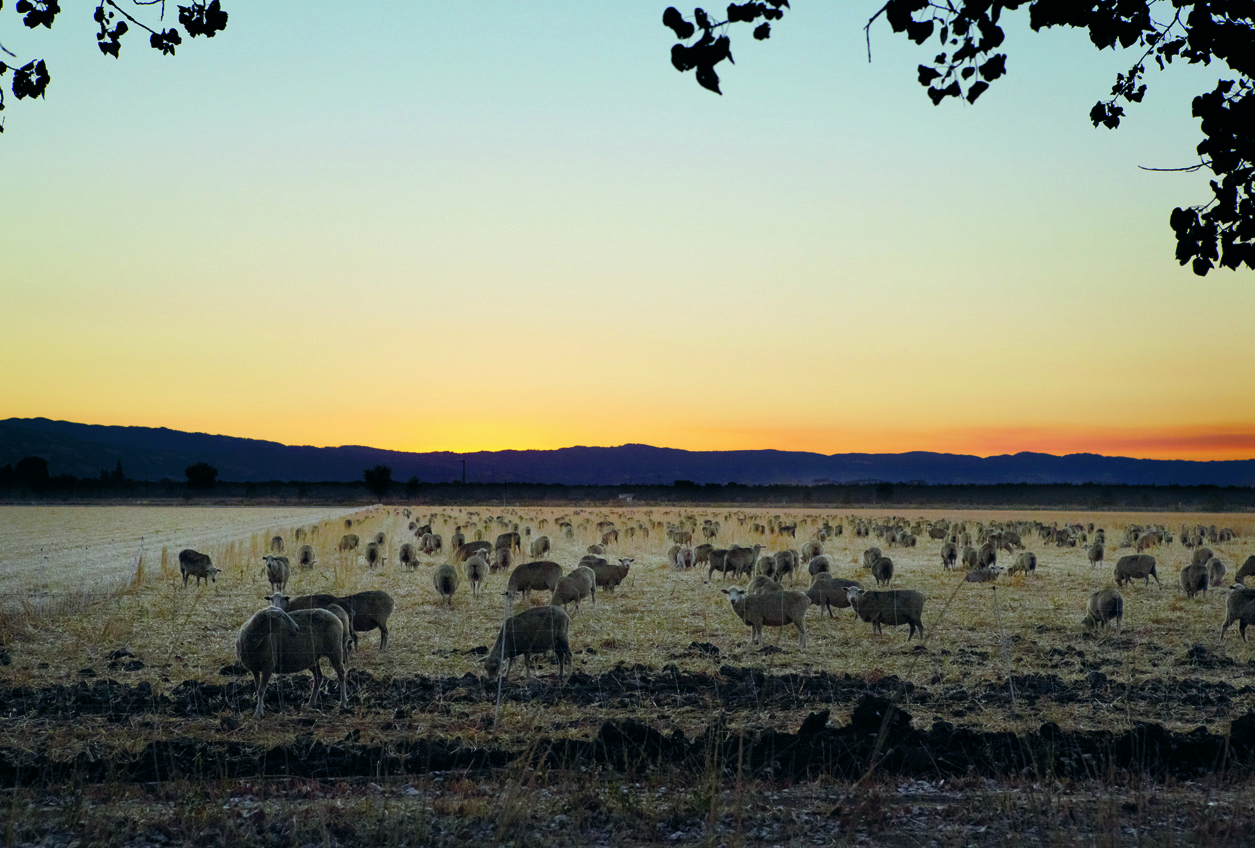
(202, 475)
(378, 480)
(1219, 232)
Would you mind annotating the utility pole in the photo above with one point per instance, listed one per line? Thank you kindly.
(464, 472)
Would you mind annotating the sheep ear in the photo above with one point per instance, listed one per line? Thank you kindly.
(725, 591)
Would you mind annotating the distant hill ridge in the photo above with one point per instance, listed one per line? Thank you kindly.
(153, 453)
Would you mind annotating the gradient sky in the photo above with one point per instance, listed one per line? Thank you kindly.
(486, 225)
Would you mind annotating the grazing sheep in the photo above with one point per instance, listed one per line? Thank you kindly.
(1215, 571)
(195, 564)
(701, 554)
(741, 560)
(1247, 570)
(574, 586)
(368, 610)
(610, 575)
(327, 602)
(278, 642)
(685, 558)
(1201, 556)
(511, 541)
(810, 550)
(771, 609)
(276, 545)
(949, 555)
(1240, 608)
(597, 550)
(819, 565)
(763, 583)
(305, 557)
(870, 556)
(446, 581)
(464, 552)
(1104, 605)
(278, 570)
(882, 570)
(983, 575)
(477, 572)
(1194, 579)
(539, 547)
(458, 539)
(986, 556)
(609, 536)
(533, 631)
(827, 592)
(1024, 563)
(892, 607)
(501, 559)
(766, 565)
(786, 563)
(1133, 566)
(349, 542)
(407, 555)
(528, 576)
(969, 558)
(1095, 553)
(380, 538)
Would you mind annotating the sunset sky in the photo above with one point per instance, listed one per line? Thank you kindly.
(485, 225)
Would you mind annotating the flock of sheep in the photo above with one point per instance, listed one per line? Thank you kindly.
(294, 634)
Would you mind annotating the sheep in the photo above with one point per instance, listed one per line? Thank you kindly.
(446, 581)
(609, 575)
(1133, 566)
(819, 565)
(368, 610)
(1024, 563)
(701, 554)
(949, 555)
(741, 560)
(673, 554)
(458, 539)
(762, 583)
(476, 572)
(305, 556)
(596, 550)
(276, 642)
(987, 555)
(685, 558)
(870, 556)
(771, 609)
(786, 563)
(1095, 553)
(1201, 556)
(1194, 579)
(609, 536)
(574, 586)
(407, 555)
(983, 575)
(327, 602)
(882, 570)
(349, 542)
(1215, 571)
(827, 592)
(766, 565)
(1247, 570)
(373, 555)
(1240, 608)
(195, 564)
(969, 558)
(892, 607)
(1104, 605)
(717, 561)
(527, 576)
(278, 569)
(501, 559)
(512, 542)
(464, 552)
(810, 550)
(539, 547)
(533, 631)
(276, 545)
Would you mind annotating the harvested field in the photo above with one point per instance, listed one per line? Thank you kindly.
(125, 705)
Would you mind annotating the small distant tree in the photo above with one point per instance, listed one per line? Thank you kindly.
(31, 471)
(118, 476)
(378, 480)
(202, 475)
(411, 485)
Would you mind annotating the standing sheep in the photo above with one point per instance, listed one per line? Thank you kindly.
(369, 610)
(278, 570)
(870, 556)
(1194, 579)
(476, 572)
(819, 565)
(610, 575)
(893, 607)
(717, 561)
(740, 560)
(195, 564)
(1024, 563)
(464, 552)
(540, 547)
(1134, 566)
(1104, 605)
(771, 609)
(327, 602)
(529, 576)
(305, 557)
(882, 570)
(949, 555)
(1215, 571)
(576, 585)
(277, 642)
(1240, 608)
(349, 542)
(373, 555)
(407, 555)
(1095, 553)
(1247, 570)
(533, 631)
(446, 581)
(827, 592)
(501, 559)
(276, 545)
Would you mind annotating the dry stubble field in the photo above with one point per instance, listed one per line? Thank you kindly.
(125, 721)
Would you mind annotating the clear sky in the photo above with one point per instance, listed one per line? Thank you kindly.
(487, 225)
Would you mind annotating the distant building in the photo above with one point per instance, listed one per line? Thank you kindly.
(627, 498)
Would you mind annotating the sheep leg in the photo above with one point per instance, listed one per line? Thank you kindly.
(383, 640)
(261, 679)
(313, 694)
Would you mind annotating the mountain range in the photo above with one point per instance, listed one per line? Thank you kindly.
(155, 453)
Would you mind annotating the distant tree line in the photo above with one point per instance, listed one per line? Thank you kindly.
(29, 480)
